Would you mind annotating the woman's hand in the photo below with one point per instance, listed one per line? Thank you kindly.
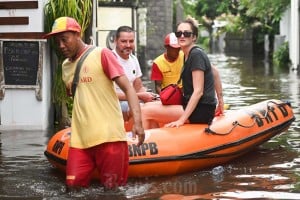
(220, 107)
(176, 124)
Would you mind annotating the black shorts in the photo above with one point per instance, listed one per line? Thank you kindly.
(203, 114)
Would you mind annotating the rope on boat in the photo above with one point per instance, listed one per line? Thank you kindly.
(255, 117)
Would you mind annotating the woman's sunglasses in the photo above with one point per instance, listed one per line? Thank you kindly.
(185, 34)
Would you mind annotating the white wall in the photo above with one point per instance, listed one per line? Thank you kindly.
(294, 34)
(36, 17)
(285, 24)
(20, 109)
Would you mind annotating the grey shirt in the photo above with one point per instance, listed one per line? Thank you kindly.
(198, 60)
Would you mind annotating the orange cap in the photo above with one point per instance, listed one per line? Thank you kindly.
(63, 24)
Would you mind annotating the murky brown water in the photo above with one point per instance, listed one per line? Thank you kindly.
(271, 171)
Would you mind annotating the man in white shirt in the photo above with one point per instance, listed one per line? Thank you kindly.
(124, 46)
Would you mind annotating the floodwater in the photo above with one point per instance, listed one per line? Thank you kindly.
(271, 171)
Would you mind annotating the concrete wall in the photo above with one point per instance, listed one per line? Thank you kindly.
(290, 32)
(159, 24)
(239, 44)
(21, 107)
(294, 42)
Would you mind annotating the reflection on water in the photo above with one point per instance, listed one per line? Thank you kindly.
(270, 171)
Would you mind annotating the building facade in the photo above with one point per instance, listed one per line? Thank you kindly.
(25, 70)
(25, 67)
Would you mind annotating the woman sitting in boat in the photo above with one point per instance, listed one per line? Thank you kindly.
(199, 98)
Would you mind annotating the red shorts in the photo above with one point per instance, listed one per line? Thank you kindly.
(111, 160)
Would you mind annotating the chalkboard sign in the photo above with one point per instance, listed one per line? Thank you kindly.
(20, 62)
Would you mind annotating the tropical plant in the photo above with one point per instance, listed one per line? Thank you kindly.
(81, 10)
(262, 16)
(206, 11)
(281, 57)
(265, 15)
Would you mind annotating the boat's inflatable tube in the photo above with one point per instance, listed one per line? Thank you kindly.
(169, 151)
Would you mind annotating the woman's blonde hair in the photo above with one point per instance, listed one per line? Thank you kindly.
(194, 24)
(192, 20)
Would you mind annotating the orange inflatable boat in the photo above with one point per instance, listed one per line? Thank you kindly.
(170, 151)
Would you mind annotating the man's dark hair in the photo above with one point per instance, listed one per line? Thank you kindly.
(123, 29)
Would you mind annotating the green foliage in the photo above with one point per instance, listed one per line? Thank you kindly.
(189, 7)
(281, 57)
(81, 10)
(211, 8)
(234, 24)
(264, 13)
(204, 42)
(240, 14)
